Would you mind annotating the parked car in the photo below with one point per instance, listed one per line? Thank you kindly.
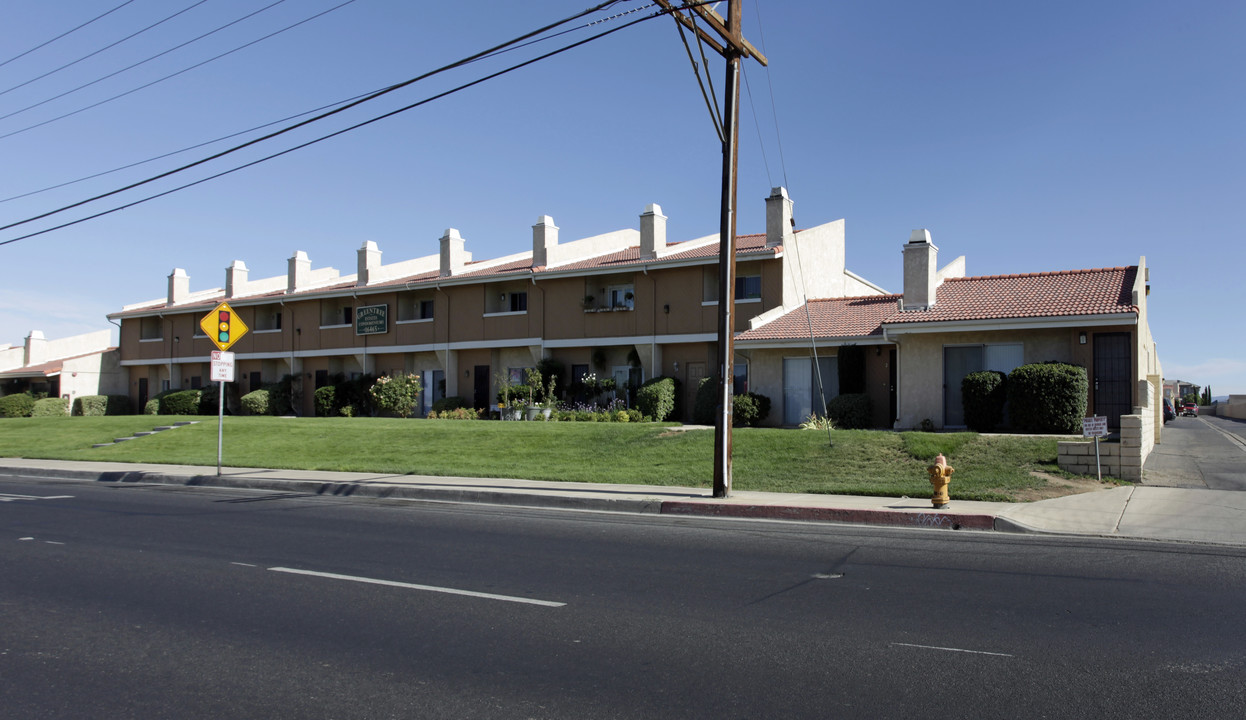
(1189, 409)
(1169, 414)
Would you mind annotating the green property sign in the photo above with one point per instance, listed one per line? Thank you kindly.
(372, 320)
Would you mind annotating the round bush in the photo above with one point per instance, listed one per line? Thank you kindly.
(1048, 397)
(51, 407)
(14, 406)
(256, 402)
(983, 395)
(180, 402)
(850, 412)
(656, 398)
(326, 401)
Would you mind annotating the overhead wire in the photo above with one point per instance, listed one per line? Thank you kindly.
(67, 32)
(106, 47)
(294, 116)
(153, 57)
(324, 115)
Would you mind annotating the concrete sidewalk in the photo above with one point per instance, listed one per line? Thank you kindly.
(1140, 512)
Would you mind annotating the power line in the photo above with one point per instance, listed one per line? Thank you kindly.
(106, 47)
(322, 116)
(356, 126)
(67, 32)
(141, 62)
(296, 115)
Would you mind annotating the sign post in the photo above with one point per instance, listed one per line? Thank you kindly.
(224, 328)
(1096, 427)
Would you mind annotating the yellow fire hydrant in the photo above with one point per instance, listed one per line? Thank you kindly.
(940, 476)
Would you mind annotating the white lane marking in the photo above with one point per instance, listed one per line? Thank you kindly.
(53, 542)
(242, 564)
(933, 647)
(7, 497)
(411, 586)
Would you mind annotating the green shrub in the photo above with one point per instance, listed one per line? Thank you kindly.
(634, 415)
(256, 402)
(584, 416)
(210, 399)
(180, 402)
(1047, 397)
(517, 392)
(51, 407)
(462, 413)
(354, 394)
(90, 406)
(19, 405)
(326, 401)
(749, 409)
(396, 394)
(983, 395)
(850, 412)
(622, 416)
(705, 407)
(119, 405)
(656, 397)
(449, 403)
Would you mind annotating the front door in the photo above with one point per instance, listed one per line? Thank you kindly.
(142, 393)
(481, 382)
(957, 363)
(1111, 382)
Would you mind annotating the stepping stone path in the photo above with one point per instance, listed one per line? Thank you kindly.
(145, 433)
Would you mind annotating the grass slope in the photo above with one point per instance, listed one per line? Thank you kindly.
(858, 462)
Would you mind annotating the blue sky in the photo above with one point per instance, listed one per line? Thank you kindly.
(1027, 137)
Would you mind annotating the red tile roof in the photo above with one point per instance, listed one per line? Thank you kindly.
(1051, 294)
(1105, 291)
(836, 317)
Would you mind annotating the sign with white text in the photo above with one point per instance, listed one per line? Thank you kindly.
(1096, 426)
(372, 320)
(222, 366)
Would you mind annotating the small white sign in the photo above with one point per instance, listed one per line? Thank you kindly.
(222, 366)
(1096, 426)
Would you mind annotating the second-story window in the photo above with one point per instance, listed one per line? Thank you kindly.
(336, 311)
(268, 317)
(150, 328)
(621, 297)
(748, 287)
(519, 302)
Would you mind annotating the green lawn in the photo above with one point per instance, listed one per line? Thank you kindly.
(859, 462)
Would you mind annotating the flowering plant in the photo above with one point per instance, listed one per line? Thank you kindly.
(397, 394)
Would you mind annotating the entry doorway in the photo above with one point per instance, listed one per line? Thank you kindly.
(1112, 387)
(481, 387)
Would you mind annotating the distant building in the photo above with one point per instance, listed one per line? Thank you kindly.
(69, 367)
(631, 305)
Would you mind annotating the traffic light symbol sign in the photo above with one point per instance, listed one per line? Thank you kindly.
(223, 317)
(223, 326)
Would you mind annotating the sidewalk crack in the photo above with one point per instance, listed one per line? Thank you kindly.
(1117, 527)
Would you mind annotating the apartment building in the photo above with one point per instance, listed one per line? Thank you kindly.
(632, 305)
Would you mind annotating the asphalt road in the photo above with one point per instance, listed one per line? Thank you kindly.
(1199, 452)
(131, 601)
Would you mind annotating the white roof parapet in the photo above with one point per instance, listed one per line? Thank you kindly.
(591, 247)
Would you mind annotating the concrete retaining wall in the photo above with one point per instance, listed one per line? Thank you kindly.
(1118, 458)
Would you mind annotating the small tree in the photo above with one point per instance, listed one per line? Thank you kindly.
(1206, 396)
(397, 394)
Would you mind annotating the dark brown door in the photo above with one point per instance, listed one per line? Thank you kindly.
(1111, 383)
(481, 378)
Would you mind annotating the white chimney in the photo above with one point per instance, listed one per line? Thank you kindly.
(652, 232)
(298, 272)
(36, 348)
(544, 238)
(779, 230)
(179, 286)
(920, 279)
(453, 254)
(369, 262)
(236, 279)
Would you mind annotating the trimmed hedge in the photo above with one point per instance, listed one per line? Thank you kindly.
(449, 403)
(51, 407)
(179, 402)
(257, 402)
(96, 405)
(326, 401)
(14, 406)
(656, 397)
(749, 409)
(983, 395)
(852, 411)
(1048, 397)
(706, 403)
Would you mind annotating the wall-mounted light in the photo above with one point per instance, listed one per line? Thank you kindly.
(177, 338)
(666, 308)
(676, 365)
(467, 373)
(1081, 338)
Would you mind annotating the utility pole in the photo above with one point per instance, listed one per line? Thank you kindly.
(733, 47)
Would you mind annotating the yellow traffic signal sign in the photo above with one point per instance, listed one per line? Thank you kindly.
(223, 326)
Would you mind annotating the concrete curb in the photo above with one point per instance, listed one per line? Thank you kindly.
(897, 518)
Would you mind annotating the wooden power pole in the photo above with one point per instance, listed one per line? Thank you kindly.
(727, 39)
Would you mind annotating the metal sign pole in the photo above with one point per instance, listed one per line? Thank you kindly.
(220, 425)
(1098, 467)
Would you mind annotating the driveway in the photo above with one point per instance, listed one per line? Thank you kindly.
(1202, 452)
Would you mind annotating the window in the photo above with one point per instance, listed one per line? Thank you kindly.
(267, 318)
(511, 297)
(739, 377)
(519, 302)
(150, 328)
(414, 306)
(336, 311)
(748, 287)
(621, 297)
(196, 382)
